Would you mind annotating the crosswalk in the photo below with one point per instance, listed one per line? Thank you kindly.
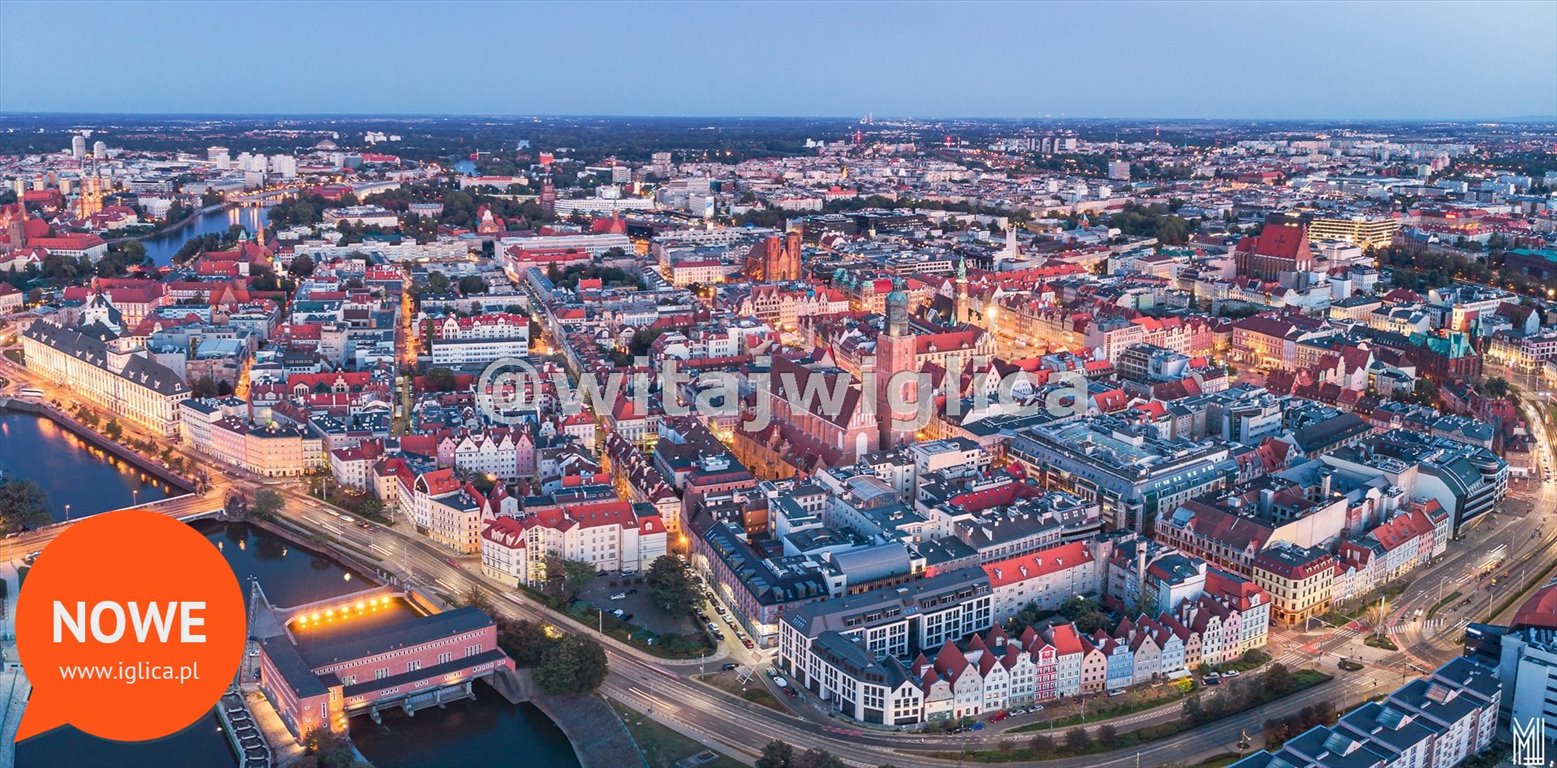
(1424, 625)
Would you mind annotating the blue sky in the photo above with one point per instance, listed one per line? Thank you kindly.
(1375, 60)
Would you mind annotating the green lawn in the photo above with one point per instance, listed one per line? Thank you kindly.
(1380, 641)
(1451, 597)
(661, 746)
(753, 692)
(1107, 709)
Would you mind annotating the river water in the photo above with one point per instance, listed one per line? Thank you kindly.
(162, 247)
(69, 470)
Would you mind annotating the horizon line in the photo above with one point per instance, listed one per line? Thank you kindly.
(1552, 118)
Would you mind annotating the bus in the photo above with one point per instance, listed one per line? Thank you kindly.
(32, 392)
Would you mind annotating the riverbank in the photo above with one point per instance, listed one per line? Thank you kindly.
(166, 228)
(143, 463)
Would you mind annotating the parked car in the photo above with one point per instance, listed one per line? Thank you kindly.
(730, 666)
(632, 591)
(619, 596)
(998, 716)
(747, 642)
(976, 727)
(1230, 673)
(780, 682)
(772, 672)
(1116, 692)
(619, 613)
(791, 693)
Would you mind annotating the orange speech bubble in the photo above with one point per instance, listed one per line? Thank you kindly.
(130, 626)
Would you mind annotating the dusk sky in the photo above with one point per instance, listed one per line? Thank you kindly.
(1218, 60)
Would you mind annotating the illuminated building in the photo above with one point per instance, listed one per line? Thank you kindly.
(1362, 231)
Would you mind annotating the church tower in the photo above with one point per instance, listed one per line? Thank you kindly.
(895, 353)
(960, 302)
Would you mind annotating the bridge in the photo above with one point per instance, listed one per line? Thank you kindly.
(263, 197)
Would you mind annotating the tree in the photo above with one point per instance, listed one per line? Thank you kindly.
(1077, 740)
(1108, 735)
(112, 430)
(1275, 733)
(267, 504)
(670, 588)
(325, 749)
(1376, 615)
(574, 664)
(22, 506)
(577, 575)
(1194, 710)
(524, 640)
(440, 380)
(816, 757)
(302, 266)
(776, 754)
(1278, 679)
(1041, 746)
(371, 507)
(472, 284)
(437, 282)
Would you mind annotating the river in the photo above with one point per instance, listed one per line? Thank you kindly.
(71, 472)
(162, 247)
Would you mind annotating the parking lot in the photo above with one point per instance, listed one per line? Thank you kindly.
(644, 614)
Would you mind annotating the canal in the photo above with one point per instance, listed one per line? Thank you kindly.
(485, 732)
(72, 473)
(162, 247)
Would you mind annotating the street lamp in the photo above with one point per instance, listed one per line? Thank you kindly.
(67, 513)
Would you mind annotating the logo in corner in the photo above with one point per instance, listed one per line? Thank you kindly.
(1529, 742)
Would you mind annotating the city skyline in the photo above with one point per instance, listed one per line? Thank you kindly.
(1052, 60)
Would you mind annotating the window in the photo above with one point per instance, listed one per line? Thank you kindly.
(413, 665)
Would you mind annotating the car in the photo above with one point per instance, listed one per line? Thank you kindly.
(348, 519)
(703, 617)
(619, 613)
(253, 653)
(1213, 680)
(1230, 673)
(747, 642)
(718, 634)
(1035, 708)
(712, 627)
(365, 525)
(791, 693)
(772, 672)
(1116, 692)
(730, 666)
(632, 591)
(719, 609)
(998, 716)
(976, 727)
(780, 682)
(619, 596)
